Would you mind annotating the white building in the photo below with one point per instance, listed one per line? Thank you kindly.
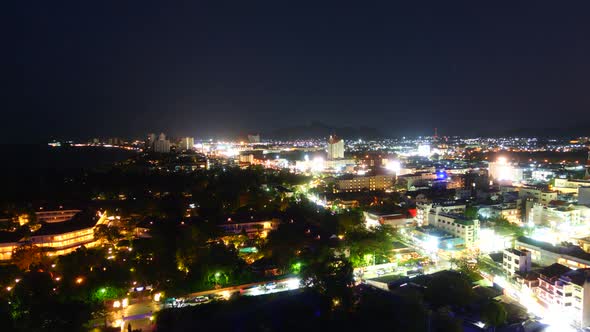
(569, 185)
(502, 170)
(354, 183)
(555, 216)
(565, 295)
(516, 261)
(187, 143)
(584, 195)
(335, 147)
(423, 210)
(541, 196)
(162, 145)
(53, 216)
(457, 225)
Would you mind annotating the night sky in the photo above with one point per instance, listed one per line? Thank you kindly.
(201, 68)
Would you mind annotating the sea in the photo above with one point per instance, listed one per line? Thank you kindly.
(42, 157)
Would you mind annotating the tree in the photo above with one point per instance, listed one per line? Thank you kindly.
(34, 306)
(26, 256)
(107, 234)
(368, 246)
(494, 314)
(449, 288)
(471, 212)
(332, 277)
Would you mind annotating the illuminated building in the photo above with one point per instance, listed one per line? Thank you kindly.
(162, 145)
(424, 210)
(396, 220)
(353, 183)
(250, 228)
(424, 150)
(587, 175)
(544, 253)
(569, 185)
(335, 147)
(55, 215)
(254, 138)
(584, 195)
(187, 143)
(509, 211)
(555, 215)
(502, 171)
(516, 261)
(565, 293)
(60, 238)
(413, 181)
(247, 158)
(149, 142)
(541, 196)
(457, 225)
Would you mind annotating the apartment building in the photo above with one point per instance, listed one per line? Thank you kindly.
(457, 225)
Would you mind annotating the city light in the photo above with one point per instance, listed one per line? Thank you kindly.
(293, 283)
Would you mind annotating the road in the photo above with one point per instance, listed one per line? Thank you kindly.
(139, 312)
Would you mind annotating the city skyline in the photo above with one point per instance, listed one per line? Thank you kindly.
(209, 69)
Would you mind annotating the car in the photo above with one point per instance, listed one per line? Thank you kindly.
(380, 272)
(271, 285)
(413, 273)
(201, 299)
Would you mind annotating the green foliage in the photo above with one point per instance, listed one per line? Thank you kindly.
(26, 256)
(471, 212)
(449, 289)
(107, 234)
(378, 243)
(494, 314)
(331, 277)
(504, 227)
(34, 306)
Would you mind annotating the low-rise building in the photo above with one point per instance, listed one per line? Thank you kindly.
(570, 185)
(59, 238)
(544, 253)
(516, 261)
(555, 215)
(584, 195)
(250, 228)
(370, 182)
(423, 210)
(541, 196)
(565, 293)
(53, 216)
(457, 225)
(396, 220)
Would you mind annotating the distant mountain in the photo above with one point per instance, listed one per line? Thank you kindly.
(319, 130)
(563, 132)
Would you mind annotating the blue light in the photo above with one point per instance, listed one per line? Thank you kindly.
(441, 175)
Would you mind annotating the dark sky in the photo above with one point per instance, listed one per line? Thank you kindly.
(120, 68)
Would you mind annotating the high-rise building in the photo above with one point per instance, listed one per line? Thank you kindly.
(254, 138)
(503, 171)
(187, 143)
(162, 145)
(149, 142)
(587, 176)
(335, 147)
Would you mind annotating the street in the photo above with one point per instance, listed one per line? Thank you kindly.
(139, 312)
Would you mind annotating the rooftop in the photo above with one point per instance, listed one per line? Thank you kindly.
(570, 250)
(84, 219)
(457, 218)
(553, 270)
